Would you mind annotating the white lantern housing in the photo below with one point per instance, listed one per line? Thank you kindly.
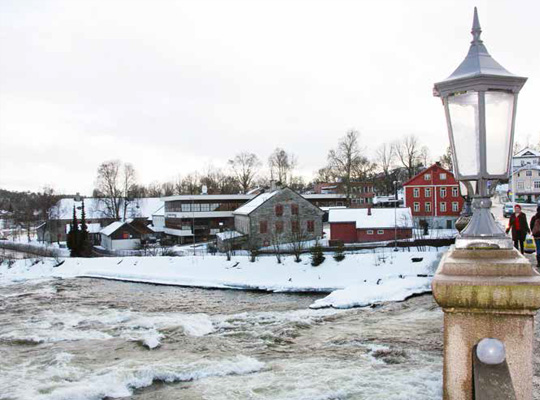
(480, 99)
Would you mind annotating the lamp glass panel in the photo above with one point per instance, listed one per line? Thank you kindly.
(464, 118)
(499, 110)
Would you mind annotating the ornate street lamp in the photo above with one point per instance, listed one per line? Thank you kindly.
(480, 100)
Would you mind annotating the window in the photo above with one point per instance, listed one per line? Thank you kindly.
(295, 227)
(442, 176)
(196, 207)
(205, 207)
(427, 206)
(279, 210)
(528, 173)
(279, 226)
(380, 231)
(427, 192)
(361, 200)
(294, 209)
(455, 206)
(427, 177)
(454, 192)
(369, 232)
(443, 192)
(125, 235)
(263, 226)
(186, 227)
(537, 184)
(311, 226)
(521, 186)
(416, 192)
(442, 206)
(416, 207)
(186, 207)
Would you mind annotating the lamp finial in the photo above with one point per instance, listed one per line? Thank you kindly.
(476, 30)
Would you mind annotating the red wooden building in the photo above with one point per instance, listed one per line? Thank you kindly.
(434, 198)
(370, 225)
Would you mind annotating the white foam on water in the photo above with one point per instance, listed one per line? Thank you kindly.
(89, 324)
(329, 379)
(120, 380)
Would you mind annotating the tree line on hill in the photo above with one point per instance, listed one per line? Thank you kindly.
(346, 163)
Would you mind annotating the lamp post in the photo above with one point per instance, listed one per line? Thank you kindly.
(480, 101)
(485, 287)
(395, 215)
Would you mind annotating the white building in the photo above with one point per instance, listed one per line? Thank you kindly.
(525, 157)
(526, 182)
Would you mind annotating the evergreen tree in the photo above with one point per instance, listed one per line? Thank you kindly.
(73, 236)
(339, 253)
(84, 247)
(317, 256)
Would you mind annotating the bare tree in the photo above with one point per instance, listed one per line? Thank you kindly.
(191, 184)
(281, 165)
(385, 156)
(48, 206)
(363, 169)
(129, 181)
(115, 184)
(325, 174)
(408, 152)
(277, 239)
(446, 159)
(424, 156)
(345, 158)
(108, 186)
(297, 239)
(245, 167)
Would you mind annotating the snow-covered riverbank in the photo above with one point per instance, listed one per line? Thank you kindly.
(358, 280)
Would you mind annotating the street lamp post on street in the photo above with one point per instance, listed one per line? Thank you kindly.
(480, 101)
(395, 214)
(488, 291)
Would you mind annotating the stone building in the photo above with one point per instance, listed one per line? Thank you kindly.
(279, 216)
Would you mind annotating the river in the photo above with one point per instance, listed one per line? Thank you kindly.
(94, 339)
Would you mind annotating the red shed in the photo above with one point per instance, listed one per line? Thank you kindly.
(370, 225)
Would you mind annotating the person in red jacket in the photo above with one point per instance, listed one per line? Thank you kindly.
(519, 226)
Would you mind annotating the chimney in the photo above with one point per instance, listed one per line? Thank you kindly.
(204, 189)
(77, 197)
(272, 185)
(369, 210)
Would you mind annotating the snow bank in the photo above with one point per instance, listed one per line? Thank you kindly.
(373, 273)
(394, 289)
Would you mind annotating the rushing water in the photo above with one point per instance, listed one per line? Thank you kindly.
(94, 339)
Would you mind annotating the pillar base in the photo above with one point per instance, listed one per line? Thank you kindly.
(486, 293)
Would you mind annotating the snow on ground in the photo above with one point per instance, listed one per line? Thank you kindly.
(367, 277)
(360, 295)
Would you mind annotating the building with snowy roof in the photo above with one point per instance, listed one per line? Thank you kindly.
(370, 225)
(97, 211)
(525, 157)
(125, 235)
(199, 217)
(526, 182)
(280, 216)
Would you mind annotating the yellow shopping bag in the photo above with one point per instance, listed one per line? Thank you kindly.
(529, 246)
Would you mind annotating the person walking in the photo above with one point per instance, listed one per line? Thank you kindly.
(520, 228)
(535, 230)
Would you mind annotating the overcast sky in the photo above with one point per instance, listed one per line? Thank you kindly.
(178, 86)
